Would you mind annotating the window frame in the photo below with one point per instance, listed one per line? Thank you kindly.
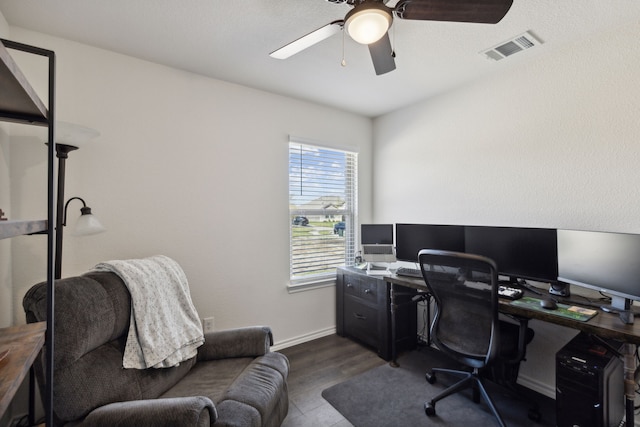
(349, 211)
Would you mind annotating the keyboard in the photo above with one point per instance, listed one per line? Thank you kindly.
(409, 272)
(509, 293)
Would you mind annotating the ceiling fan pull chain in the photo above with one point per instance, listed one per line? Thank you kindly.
(393, 42)
(344, 62)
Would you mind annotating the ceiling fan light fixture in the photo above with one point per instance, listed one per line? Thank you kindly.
(368, 22)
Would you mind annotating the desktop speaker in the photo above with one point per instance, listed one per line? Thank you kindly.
(589, 384)
(560, 289)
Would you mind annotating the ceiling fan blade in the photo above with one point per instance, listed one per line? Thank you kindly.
(308, 40)
(382, 55)
(479, 11)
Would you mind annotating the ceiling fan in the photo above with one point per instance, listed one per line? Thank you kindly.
(369, 21)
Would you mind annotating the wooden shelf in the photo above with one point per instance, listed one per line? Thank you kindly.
(23, 343)
(19, 102)
(19, 228)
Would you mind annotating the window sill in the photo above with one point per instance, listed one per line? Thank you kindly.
(293, 288)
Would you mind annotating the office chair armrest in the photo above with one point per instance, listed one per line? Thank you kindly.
(198, 411)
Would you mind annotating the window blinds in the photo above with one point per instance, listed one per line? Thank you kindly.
(322, 201)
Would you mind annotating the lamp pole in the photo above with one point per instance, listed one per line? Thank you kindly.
(62, 152)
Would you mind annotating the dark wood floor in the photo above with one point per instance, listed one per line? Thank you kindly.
(317, 365)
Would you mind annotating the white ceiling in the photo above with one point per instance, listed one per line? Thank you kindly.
(231, 41)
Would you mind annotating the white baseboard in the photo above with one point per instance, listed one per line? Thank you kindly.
(303, 338)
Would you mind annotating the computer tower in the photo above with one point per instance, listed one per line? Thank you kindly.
(589, 384)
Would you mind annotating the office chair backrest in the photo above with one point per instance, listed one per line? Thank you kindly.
(465, 288)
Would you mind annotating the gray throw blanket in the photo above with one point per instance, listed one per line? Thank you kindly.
(165, 328)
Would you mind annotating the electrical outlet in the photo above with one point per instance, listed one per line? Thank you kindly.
(208, 324)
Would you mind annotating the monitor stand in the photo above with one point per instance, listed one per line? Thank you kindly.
(622, 306)
(372, 270)
(523, 284)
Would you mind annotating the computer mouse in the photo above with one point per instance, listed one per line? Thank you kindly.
(548, 303)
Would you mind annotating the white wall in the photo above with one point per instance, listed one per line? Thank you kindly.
(190, 167)
(553, 142)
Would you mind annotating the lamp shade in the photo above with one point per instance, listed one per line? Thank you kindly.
(73, 134)
(87, 224)
(368, 22)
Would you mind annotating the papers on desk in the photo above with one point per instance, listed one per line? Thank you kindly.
(379, 272)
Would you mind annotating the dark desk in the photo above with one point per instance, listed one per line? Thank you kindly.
(603, 325)
(362, 312)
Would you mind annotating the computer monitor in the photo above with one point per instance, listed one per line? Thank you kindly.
(607, 262)
(376, 234)
(519, 253)
(377, 243)
(411, 238)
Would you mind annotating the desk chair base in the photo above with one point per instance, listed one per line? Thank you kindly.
(469, 380)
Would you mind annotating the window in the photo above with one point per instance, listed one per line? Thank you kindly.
(322, 210)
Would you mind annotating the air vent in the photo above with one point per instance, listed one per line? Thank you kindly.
(517, 44)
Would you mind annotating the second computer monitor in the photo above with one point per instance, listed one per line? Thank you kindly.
(527, 253)
(608, 262)
(377, 243)
(376, 234)
(411, 238)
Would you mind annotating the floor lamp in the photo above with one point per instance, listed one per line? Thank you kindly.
(87, 224)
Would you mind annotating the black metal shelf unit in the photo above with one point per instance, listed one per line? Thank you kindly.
(20, 103)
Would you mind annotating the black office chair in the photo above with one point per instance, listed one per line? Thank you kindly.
(466, 325)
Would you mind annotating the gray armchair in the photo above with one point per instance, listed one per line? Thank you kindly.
(235, 380)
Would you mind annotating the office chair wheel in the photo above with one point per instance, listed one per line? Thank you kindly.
(430, 409)
(431, 377)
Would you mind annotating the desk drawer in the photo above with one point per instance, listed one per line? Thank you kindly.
(370, 290)
(361, 322)
(352, 285)
(363, 311)
(363, 287)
